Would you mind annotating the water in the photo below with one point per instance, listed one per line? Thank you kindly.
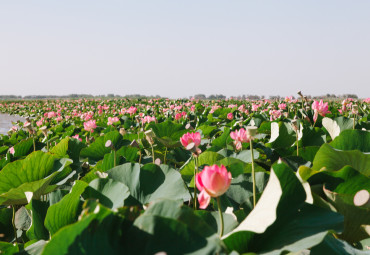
(6, 122)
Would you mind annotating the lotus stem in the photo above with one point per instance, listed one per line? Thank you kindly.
(296, 135)
(354, 121)
(13, 223)
(253, 174)
(153, 154)
(221, 217)
(165, 156)
(34, 143)
(114, 160)
(195, 189)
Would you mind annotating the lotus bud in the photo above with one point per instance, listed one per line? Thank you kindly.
(109, 144)
(149, 135)
(134, 144)
(122, 131)
(355, 109)
(157, 162)
(188, 126)
(101, 175)
(85, 165)
(44, 130)
(251, 131)
(294, 125)
(362, 198)
(28, 126)
(90, 140)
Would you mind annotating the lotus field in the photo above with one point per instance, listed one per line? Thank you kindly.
(160, 176)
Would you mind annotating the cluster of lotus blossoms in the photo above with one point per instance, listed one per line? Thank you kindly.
(214, 180)
(178, 116)
(112, 120)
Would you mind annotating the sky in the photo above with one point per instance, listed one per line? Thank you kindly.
(177, 49)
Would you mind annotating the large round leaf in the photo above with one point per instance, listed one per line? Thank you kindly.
(337, 125)
(281, 220)
(110, 193)
(100, 232)
(171, 227)
(97, 149)
(352, 140)
(150, 182)
(333, 159)
(282, 135)
(168, 133)
(33, 174)
(66, 210)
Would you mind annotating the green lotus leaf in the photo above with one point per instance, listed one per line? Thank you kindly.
(66, 210)
(171, 227)
(33, 174)
(333, 159)
(110, 193)
(168, 133)
(352, 140)
(97, 149)
(337, 125)
(90, 235)
(150, 181)
(282, 135)
(282, 209)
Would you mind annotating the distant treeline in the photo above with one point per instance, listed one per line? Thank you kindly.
(197, 96)
(73, 96)
(256, 97)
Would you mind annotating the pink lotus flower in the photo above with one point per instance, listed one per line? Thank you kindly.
(132, 110)
(148, 119)
(282, 106)
(178, 116)
(241, 108)
(255, 107)
(77, 137)
(274, 114)
(319, 108)
(113, 120)
(213, 181)
(11, 150)
(188, 138)
(288, 99)
(39, 123)
(51, 114)
(90, 125)
(240, 136)
(230, 116)
(214, 108)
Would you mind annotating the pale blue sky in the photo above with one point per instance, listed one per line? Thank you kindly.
(181, 48)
